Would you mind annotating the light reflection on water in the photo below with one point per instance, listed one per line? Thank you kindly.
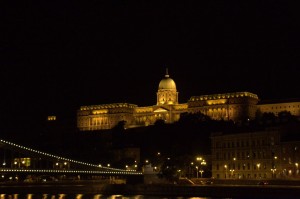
(95, 196)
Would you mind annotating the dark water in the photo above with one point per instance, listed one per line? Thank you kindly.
(96, 196)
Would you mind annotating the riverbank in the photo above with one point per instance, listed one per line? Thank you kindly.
(167, 190)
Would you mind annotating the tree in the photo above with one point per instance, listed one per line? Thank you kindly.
(159, 122)
(286, 116)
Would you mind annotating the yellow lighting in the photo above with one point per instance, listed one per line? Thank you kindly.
(217, 101)
(51, 118)
(102, 111)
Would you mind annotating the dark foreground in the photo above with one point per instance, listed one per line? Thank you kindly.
(213, 191)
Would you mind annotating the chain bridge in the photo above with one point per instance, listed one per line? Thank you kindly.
(20, 163)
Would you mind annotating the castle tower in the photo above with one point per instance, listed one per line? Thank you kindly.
(167, 93)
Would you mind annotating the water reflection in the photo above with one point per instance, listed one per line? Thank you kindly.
(86, 196)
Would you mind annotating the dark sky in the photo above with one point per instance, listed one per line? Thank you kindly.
(59, 55)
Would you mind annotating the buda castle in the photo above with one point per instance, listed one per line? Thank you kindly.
(236, 106)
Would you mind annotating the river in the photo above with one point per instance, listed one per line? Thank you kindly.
(89, 196)
(144, 191)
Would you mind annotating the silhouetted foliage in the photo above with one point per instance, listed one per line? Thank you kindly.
(120, 126)
(286, 116)
(193, 118)
(118, 134)
(159, 122)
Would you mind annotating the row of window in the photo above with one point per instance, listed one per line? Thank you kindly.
(241, 155)
(245, 143)
(245, 166)
(243, 176)
(285, 107)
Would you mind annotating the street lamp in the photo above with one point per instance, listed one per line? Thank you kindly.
(179, 171)
(199, 158)
(258, 165)
(197, 171)
(225, 166)
(273, 172)
(191, 170)
(231, 170)
(202, 163)
(201, 171)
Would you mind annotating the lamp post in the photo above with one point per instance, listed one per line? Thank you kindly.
(231, 170)
(273, 173)
(258, 165)
(202, 163)
(225, 167)
(201, 171)
(179, 172)
(297, 171)
(191, 169)
(197, 170)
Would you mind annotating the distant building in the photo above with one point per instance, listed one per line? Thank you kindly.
(254, 155)
(277, 106)
(236, 106)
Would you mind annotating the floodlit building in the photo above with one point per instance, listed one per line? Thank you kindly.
(254, 155)
(236, 106)
(277, 106)
(106, 116)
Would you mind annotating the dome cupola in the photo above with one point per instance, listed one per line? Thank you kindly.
(167, 82)
(167, 93)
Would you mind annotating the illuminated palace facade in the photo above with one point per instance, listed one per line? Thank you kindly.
(235, 106)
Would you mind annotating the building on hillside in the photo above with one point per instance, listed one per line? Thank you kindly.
(106, 116)
(254, 155)
(227, 106)
(236, 106)
(277, 106)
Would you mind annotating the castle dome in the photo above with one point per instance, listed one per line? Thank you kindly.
(167, 83)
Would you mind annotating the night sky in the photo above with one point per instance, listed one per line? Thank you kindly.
(59, 55)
